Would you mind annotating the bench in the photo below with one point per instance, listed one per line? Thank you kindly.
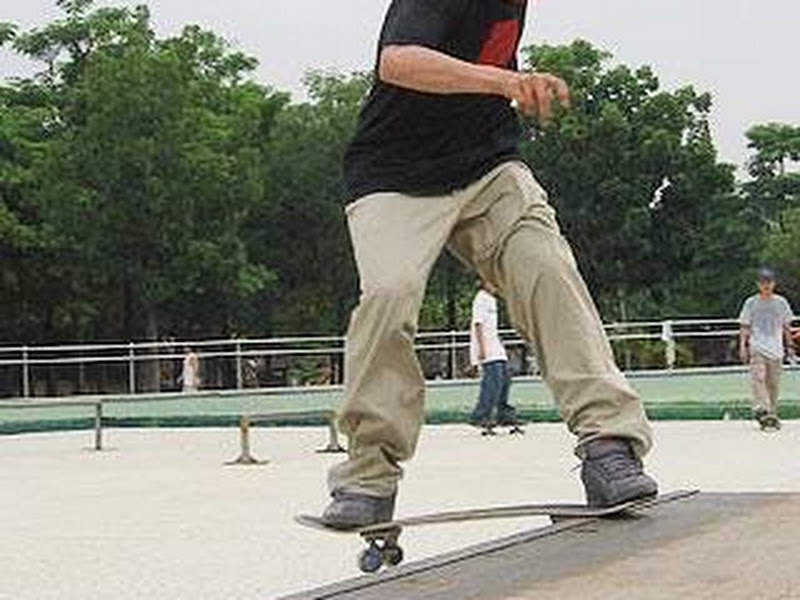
(246, 421)
(96, 403)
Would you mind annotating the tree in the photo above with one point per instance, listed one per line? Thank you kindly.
(22, 240)
(633, 172)
(154, 171)
(774, 195)
(774, 187)
(299, 231)
(782, 250)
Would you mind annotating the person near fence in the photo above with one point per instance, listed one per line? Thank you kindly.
(765, 340)
(190, 376)
(488, 354)
(435, 163)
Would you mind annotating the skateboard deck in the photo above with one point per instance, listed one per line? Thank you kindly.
(513, 429)
(769, 423)
(382, 538)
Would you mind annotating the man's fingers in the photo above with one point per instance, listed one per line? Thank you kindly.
(561, 90)
(535, 93)
(527, 100)
(544, 98)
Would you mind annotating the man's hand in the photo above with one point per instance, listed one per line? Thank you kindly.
(744, 355)
(534, 93)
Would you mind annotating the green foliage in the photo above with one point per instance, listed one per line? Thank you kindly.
(773, 198)
(298, 231)
(153, 170)
(8, 31)
(774, 187)
(633, 172)
(782, 250)
(149, 186)
(30, 281)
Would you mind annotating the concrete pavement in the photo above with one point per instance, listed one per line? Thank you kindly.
(160, 517)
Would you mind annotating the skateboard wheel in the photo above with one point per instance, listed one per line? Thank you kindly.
(392, 555)
(370, 560)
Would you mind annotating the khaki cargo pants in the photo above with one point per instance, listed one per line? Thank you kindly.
(765, 377)
(504, 229)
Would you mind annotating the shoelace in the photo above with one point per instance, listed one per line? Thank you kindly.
(619, 464)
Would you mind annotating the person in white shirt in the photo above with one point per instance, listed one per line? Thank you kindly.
(765, 340)
(191, 371)
(488, 354)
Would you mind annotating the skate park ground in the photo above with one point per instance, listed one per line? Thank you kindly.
(158, 515)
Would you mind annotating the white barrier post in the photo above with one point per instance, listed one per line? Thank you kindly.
(26, 375)
(333, 446)
(98, 426)
(239, 373)
(453, 356)
(245, 457)
(670, 350)
(131, 369)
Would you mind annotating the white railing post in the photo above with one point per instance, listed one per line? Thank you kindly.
(26, 374)
(239, 373)
(131, 368)
(670, 350)
(453, 355)
(98, 426)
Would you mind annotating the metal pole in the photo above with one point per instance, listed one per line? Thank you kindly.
(98, 426)
(244, 436)
(333, 438)
(131, 369)
(26, 375)
(453, 361)
(245, 457)
(239, 374)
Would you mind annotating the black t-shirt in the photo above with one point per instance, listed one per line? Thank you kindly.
(428, 144)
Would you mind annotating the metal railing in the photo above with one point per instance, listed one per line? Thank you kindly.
(97, 369)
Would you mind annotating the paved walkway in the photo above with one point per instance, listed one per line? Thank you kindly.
(160, 517)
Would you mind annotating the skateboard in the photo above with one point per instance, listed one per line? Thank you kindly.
(383, 548)
(769, 423)
(513, 429)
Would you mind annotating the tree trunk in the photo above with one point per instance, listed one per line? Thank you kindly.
(150, 370)
(141, 324)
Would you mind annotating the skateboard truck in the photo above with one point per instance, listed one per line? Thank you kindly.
(382, 550)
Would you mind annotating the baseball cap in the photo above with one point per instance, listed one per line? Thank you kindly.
(766, 274)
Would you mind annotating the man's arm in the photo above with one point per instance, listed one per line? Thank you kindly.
(788, 342)
(479, 335)
(744, 343)
(426, 70)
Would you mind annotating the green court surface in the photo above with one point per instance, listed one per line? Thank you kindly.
(680, 395)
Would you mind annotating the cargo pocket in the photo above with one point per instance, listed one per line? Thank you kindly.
(490, 219)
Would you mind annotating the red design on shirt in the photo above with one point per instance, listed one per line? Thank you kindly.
(500, 45)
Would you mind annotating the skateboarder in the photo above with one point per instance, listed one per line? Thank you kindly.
(488, 354)
(435, 163)
(765, 325)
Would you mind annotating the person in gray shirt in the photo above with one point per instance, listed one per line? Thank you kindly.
(765, 340)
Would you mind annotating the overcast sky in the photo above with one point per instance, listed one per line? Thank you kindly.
(743, 51)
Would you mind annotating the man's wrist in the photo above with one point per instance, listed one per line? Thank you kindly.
(504, 81)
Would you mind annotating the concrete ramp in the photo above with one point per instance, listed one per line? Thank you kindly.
(731, 546)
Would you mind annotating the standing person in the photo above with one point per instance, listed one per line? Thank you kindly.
(765, 339)
(191, 371)
(488, 354)
(435, 163)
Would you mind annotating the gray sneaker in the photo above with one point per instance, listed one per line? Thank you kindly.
(612, 474)
(350, 510)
